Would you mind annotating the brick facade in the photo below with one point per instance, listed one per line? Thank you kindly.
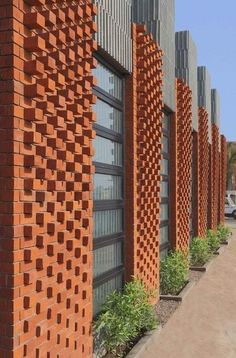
(46, 178)
(215, 174)
(143, 159)
(46, 173)
(181, 153)
(210, 188)
(195, 184)
(203, 170)
(222, 181)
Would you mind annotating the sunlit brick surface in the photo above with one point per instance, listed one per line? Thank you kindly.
(215, 175)
(203, 171)
(222, 181)
(46, 178)
(143, 159)
(183, 164)
(195, 200)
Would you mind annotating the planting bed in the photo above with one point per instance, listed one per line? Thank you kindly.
(164, 310)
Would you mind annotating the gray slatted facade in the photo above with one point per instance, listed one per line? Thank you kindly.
(159, 17)
(186, 67)
(204, 93)
(215, 107)
(114, 19)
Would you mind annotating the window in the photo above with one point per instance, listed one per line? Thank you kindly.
(165, 182)
(108, 185)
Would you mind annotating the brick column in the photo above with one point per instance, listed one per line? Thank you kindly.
(143, 160)
(195, 209)
(46, 178)
(215, 174)
(210, 188)
(181, 170)
(203, 171)
(222, 181)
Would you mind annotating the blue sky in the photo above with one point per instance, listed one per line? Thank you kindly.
(213, 27)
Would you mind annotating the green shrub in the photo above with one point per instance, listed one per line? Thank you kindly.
(213, 241)
(173, 272)
(199, 251)
(124, 316)
(223, 233)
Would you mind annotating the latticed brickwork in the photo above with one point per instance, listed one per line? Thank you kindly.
(46, 178)
(210, 188)
(222, 181)
(182, 179)
(195, 182)
(215, 174)
(144, 159)
(203, 171)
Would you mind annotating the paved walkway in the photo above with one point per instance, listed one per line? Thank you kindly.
(205, 324)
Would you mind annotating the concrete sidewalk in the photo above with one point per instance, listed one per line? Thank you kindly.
(205, 324)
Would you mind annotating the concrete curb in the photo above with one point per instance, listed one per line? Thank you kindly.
(144, 342)
(203, 268)
(181, 295)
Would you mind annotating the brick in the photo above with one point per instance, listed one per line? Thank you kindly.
(48, 87)
(181, 167)
(142, 209)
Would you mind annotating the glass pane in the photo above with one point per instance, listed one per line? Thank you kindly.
(164, 167)
(108, 81)
(164, 189)
(164, 212)
(107, 222)
(107, 258)
(107, 151)
(101, 292)
(108, 116)
(164, 235)
(107, 187)
(165, 144)
(166, 121)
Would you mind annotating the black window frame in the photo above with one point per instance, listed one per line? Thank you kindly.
(102, 168)
(166, 178)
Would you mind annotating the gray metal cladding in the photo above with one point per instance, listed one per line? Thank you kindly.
(204, 93)
(186, 67)
(114, 19)
(159, 17)
(215, 107)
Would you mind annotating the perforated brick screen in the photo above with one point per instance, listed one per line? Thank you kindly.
(143, 159)
(46, 178)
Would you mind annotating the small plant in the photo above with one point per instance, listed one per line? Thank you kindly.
(223, 233)
(199, 251)
(213, 241)
(124, 316)
(173, 272)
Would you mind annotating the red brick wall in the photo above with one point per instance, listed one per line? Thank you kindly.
(210, 188)
(215, 174)
(143, 159)
(203, 170)
(195, 210)
(222, 181)
(46, 178)
(181, 170)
